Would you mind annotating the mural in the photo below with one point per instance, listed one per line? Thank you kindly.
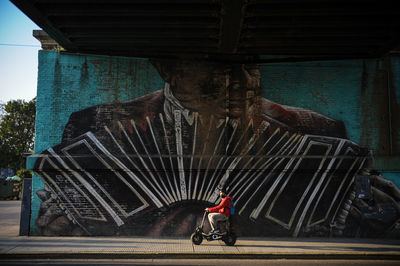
(151, 165)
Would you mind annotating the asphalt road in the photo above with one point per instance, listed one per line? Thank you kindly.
(203, 262)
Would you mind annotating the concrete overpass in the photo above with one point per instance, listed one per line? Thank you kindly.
(234, 30)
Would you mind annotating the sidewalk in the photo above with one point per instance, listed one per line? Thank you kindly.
(143, 247)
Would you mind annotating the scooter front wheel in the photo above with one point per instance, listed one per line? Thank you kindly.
(230, 239)
(196, 238)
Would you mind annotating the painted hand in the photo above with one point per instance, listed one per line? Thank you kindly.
(381, 212)
(52, 219)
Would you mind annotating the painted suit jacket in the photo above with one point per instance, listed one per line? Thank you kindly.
(286, 117)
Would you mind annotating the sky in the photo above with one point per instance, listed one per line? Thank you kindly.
(18, 54)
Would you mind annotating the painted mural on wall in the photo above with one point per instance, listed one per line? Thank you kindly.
(151, 165)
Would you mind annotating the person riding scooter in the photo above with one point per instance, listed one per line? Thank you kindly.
(219, 213)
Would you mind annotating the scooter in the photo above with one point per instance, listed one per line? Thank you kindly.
(226, 235)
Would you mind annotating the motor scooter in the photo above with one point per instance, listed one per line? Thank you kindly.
(227, 235)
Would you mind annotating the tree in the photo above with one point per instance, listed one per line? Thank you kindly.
(2, 110)
(17, 131)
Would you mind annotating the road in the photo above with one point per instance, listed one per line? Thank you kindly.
(204, 262)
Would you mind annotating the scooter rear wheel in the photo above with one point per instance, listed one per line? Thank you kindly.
(230, 239)
(196, 238)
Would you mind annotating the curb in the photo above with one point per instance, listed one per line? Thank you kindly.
(150, 255)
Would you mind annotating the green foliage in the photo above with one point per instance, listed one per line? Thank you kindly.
(24, 173)
(17, 131)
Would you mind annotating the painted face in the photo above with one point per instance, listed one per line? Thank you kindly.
(201, 85)
(244, 80)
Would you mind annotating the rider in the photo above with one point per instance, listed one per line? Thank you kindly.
(219, 213)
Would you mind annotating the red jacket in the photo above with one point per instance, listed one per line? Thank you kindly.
(224, 207)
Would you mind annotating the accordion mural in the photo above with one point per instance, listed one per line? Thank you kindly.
(149, 166)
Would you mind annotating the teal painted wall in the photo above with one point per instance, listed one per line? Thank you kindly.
(328, 88)
(69, 83)
(364, 94)
(358, 92)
